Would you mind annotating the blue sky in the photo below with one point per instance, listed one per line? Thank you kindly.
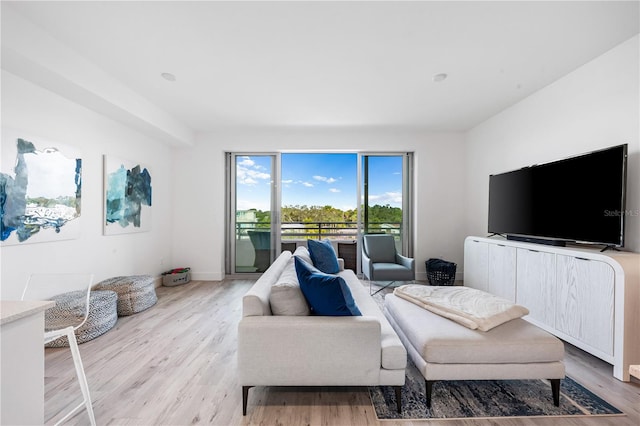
(318, 179)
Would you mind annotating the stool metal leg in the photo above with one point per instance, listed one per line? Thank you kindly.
(82, 380)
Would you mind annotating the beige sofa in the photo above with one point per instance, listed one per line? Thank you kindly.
(287, 350)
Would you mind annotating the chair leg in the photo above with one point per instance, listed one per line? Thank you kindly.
(82, 380)
(555, 390)
(380, 289)
(428, 389)
(398, 390)
(245, 397)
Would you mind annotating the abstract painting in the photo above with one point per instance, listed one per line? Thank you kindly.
(127, 195)
(40, 192)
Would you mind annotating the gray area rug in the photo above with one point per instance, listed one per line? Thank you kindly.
(486, 398)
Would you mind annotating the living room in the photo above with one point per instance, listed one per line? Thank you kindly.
(55, 91)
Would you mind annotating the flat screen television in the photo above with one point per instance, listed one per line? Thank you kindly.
(579, 199)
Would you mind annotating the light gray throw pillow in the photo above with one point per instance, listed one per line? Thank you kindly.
(286, 298)
(303, 253)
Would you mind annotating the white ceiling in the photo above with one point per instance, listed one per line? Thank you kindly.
(336, 63)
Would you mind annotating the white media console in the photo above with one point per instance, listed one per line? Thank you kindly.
(587, 298)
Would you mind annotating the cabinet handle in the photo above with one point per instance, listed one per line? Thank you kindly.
(583, 258)
(535, 251)
(500, 245)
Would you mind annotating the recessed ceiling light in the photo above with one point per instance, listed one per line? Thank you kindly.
(439, 77)
(168, 76)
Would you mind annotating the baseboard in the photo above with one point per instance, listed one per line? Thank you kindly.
(207, 276)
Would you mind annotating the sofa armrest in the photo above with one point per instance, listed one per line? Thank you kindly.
(309, 351)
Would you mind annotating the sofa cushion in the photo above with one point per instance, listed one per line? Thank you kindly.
(303, 253)
(323, 256)
(394, 355)
(327, 294)
(286, 297)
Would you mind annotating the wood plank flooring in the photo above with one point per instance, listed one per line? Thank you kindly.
(175, 364)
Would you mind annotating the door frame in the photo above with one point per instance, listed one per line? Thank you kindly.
(408, 203)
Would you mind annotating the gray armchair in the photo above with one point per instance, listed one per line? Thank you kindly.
(381, 261)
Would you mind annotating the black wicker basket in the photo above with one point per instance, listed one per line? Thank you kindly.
(440, 272)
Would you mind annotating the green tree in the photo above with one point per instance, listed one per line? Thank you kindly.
(330, 214)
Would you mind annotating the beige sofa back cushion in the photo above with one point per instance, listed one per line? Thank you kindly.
(286, 297)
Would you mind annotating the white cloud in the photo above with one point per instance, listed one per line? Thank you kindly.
(391, 198)
(334, 190)
(246, 161)
(247, 173)
(307, 184)
(248, 181)
(287, 181)
(325, 179)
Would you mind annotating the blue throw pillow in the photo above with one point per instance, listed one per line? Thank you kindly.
(327, 294)
(323, 256)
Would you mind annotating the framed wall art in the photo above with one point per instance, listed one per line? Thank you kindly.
(127, 196)
(40, 190)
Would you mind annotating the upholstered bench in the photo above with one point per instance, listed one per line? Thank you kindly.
(445, 350)
(135, 293)
(102, 315)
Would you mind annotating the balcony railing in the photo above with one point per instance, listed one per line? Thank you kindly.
(253, 240)
(318, 230)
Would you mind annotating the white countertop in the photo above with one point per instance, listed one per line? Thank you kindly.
(13, 310)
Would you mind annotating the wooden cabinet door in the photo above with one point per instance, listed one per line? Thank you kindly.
(586, 301)
(502, 271)
(536, 284)
(476, 257)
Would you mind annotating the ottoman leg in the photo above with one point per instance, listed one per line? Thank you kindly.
(245, 397)
(428, 389)
(398, 390)
(555, 390)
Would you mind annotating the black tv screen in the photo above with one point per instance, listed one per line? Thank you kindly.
(578, 199)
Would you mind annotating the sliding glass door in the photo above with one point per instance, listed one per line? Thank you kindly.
(386, 197)
(253, 213)
(277, 202)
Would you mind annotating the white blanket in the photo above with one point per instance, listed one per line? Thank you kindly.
(472, 308)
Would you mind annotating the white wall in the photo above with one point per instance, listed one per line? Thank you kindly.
(33, 54)
(594, 107)
(199, 231)
(41, 114)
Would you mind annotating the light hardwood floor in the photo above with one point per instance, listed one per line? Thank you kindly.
(175, 364)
